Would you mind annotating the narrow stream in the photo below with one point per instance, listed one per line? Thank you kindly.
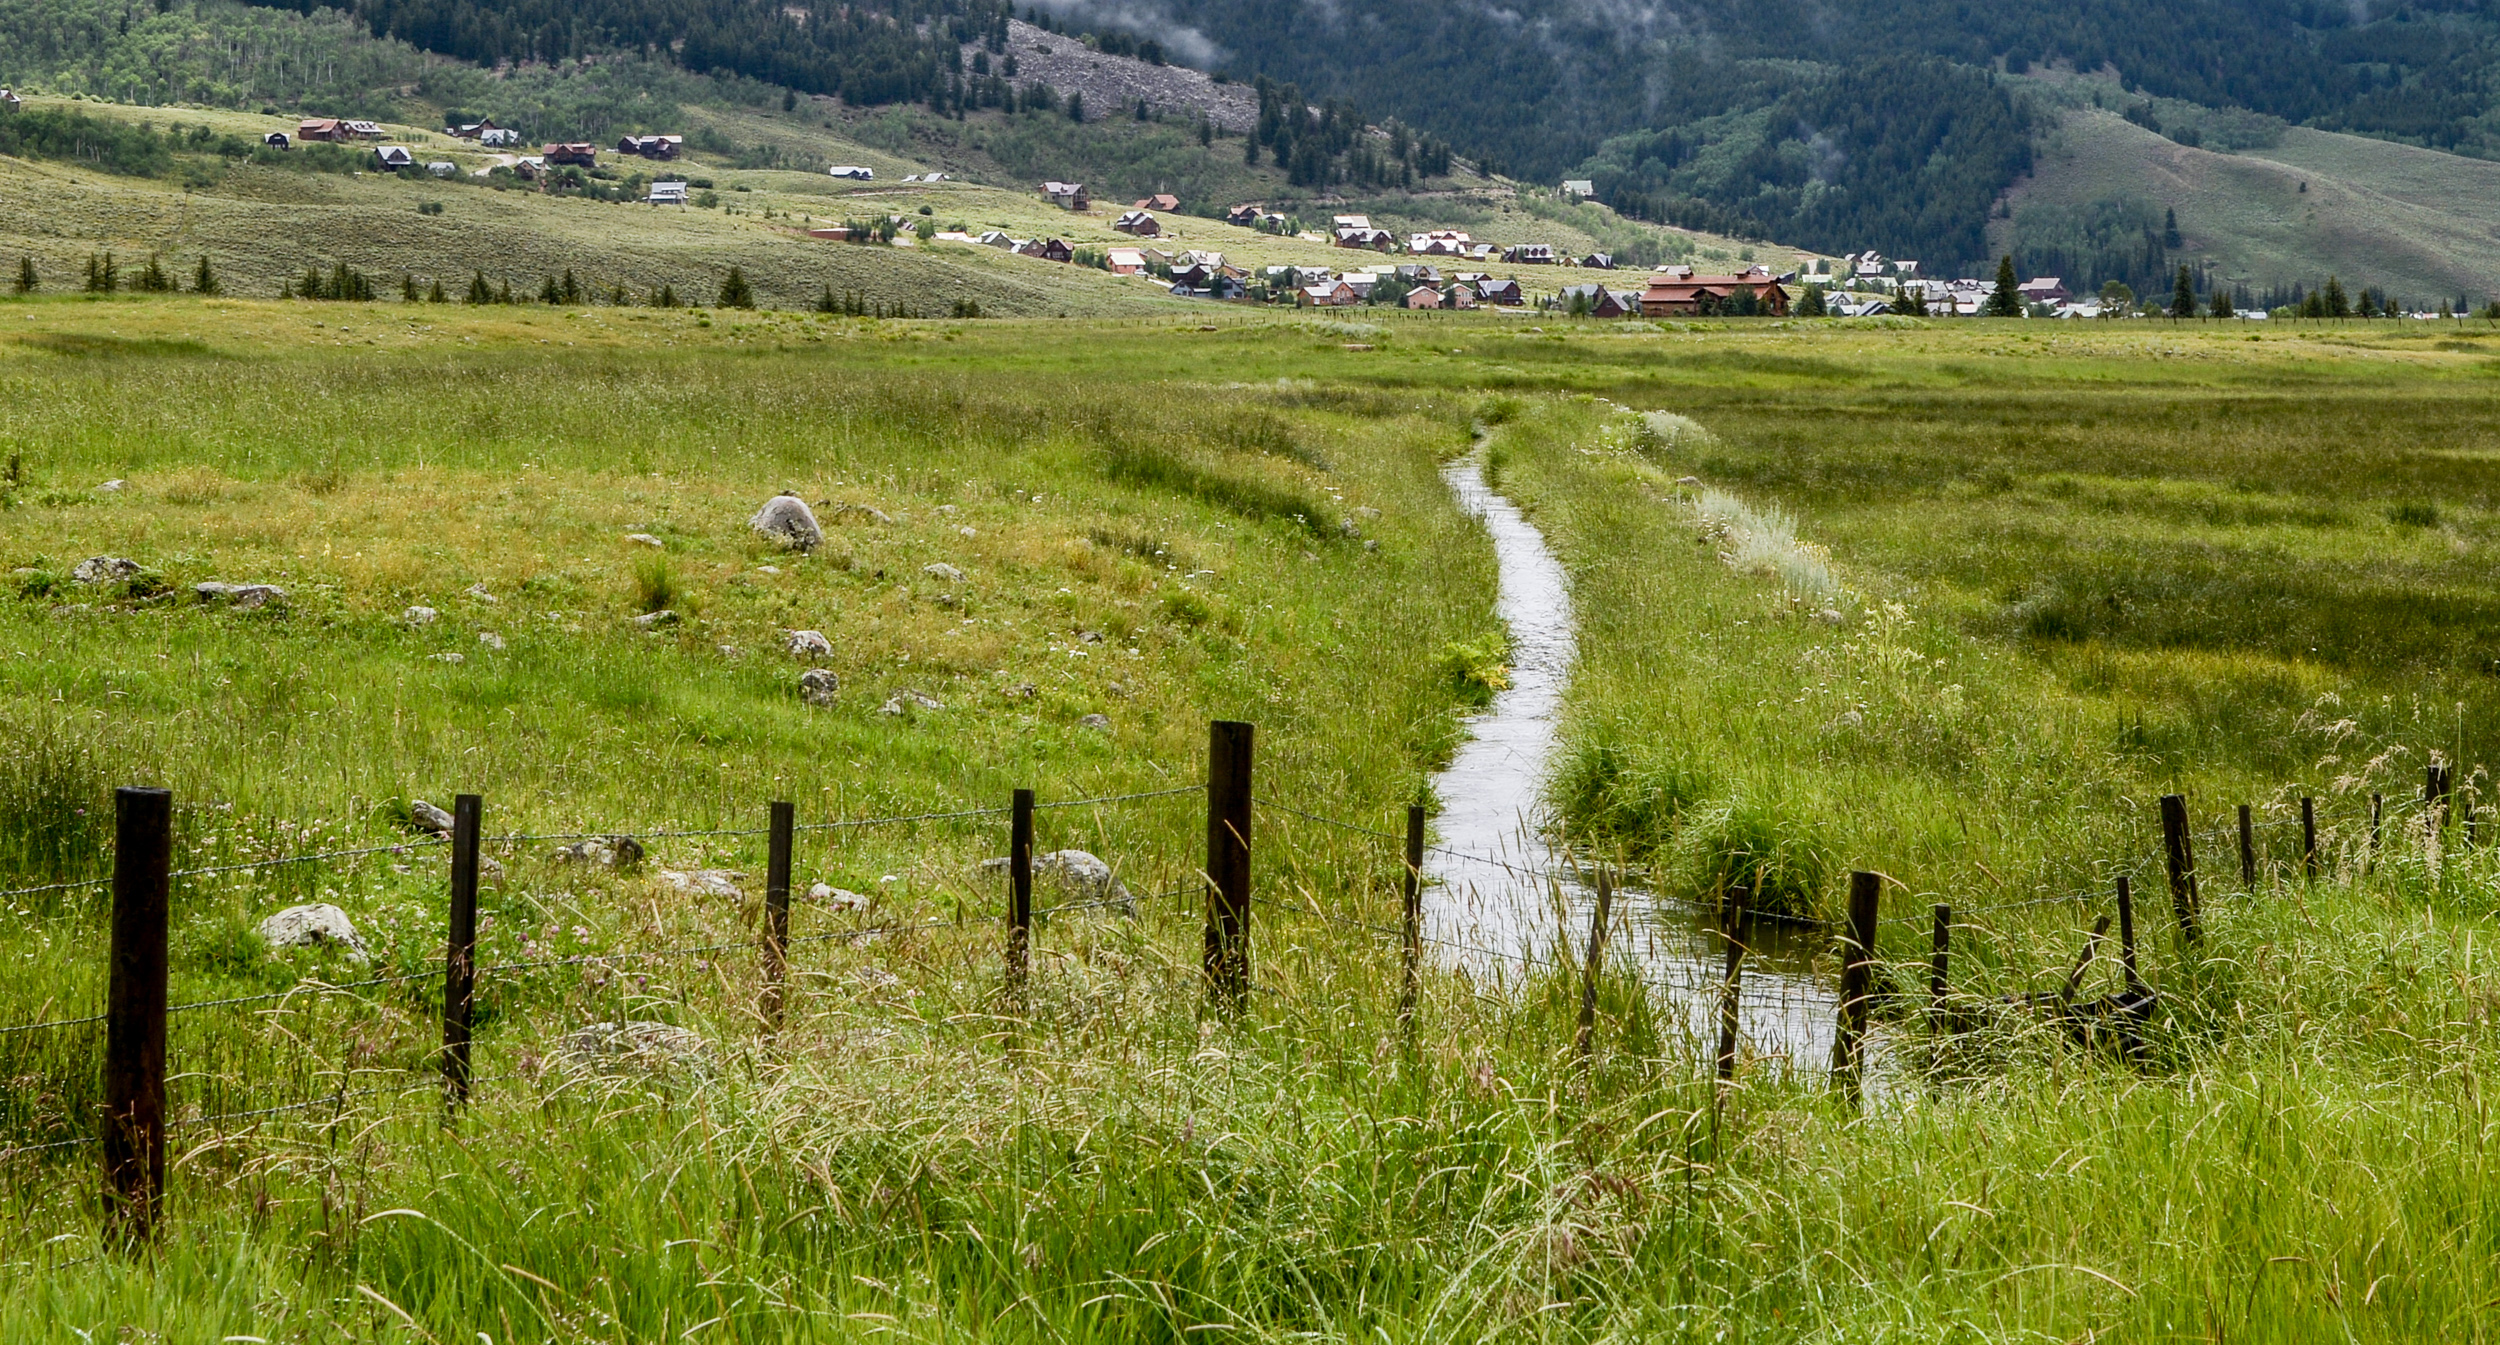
(1498, 888)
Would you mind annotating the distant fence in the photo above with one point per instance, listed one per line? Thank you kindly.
(132, 1122)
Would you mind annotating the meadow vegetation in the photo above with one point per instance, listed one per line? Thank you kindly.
(1954, 603)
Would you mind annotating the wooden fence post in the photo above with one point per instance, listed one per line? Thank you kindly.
(134, 1012)
(1586, 1041)
(2126, 930)
(2434, 803)
(460, 949)
(1939, 965)
(1228, 862)
(1730, 986)
(782, 820)
(2378, 809)
(1857, 979)
(1019, 896)
(2309, 838)
(1410, 985)
(2248, 851)
(2179, 850)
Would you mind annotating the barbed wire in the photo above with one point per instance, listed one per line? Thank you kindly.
(1123, 798)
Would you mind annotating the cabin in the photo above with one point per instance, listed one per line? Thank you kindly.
(2044, 290)
(277, 140)
(471, 130)
(501, 136)
(1503, 292)
(1067, 195)
(1689, 295)
(363, 130)
(1163, 201)
(1000, 238)
(321, 128)
(1422, 296)
(10, 101)
(671, 192)
(1137, 223)
(1419, 273)
(1125, 261)
(1440, 243)
(576, 153)
(662, 147)
(1600, 261)
(1328, 294)
(1048, 249)
(1529, 254)
(1578, 188)
(442, 167)
(831, 233)
(1217, 287)
(851, 172)
(1602, 302)
(1459, 296)
(1361, 282)
(1376, 240)
(392, 158)
(1245, 216)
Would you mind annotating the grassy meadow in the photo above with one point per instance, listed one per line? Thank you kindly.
(1956, 603)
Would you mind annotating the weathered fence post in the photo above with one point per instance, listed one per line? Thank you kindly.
(782, 820)
(460, 949)
(1228, 862)
(1730, 986)
(2309, 838)
(1857, 979)
(134, 1010)
(1410, 984)
(2248, 851)
(2126, 929)
(2434, 804)
(2179, 850)
(2378, 809)
(1939, 965)
(1585, 1042)
(1019, 896)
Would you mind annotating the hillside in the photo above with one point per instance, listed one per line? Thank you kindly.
(2413, 223)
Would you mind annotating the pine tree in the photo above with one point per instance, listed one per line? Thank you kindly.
(503, 292)
(2338, 304)
(1076, 106)
(826, 303)
(2220, 305)
(1912, 302)
(2170, 230)
(2007, 302)
(2315, 305)
(435, 295)
(667, 297)
(1206, 131)
(479, 291)
(2367, 307)
(617, 297)
(1250, 150)
(204, 280)
(407, 288)
(2183, 295)
(547, 292)
(153, 280)
(734, 291)
(1812, 305)
(572, 288)
(26, 278)
(1142, 113)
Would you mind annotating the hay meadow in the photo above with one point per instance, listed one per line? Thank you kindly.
(1955, 603)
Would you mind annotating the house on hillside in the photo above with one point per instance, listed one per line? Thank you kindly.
(1529, 254)
(1125, 261)
(1376, 240)
(1422, 296)
(1361, 282)
(1067, 195)
(1419, 273)
(575, 152)
(1503, 292)
(363, 130)
(1245, 216)
(671, 192)
(392, 158)
(851, 172)
(1578, 188)
(1137, 224)
(2044, 290)
(1349, 221)
(1677, 292)
(1440, 243)
(471, 130)
(1163, 201)
(1602, 261)
(277, 140)
(10, 101)
(442, 167)
(1327, 294)
(1000, 238)
(1602, 302)
(1216, 287)
(499, 136)
(1050, 250)
(662, 147)
(321, 128)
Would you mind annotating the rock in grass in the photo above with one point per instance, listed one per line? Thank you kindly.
(787, 519)
(490, 639)
(818, 686)
(836, 898)
(245, 597)
(112, 487)
(1099, 723)
(943, 573)
(429, 818)
(1075, 876)
(809, 644)
(419, 615)
(705, 882)
(449, 658)
(655, 620)
(635, 1048)
(645, 539)
(614, 852)
(905, 701)
(104, 570)
(315, 926)
(478, 591)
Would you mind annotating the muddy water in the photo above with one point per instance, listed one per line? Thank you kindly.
(1500, 893)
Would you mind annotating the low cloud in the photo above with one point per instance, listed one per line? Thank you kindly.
(1145, 18)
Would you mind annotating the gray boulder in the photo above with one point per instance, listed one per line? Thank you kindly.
(428, 816)
(905, 701)
(1074, 876)
(787, 519)
(645, 539)
(244, 596)
(837, 898)
(705, 882)
(419, 615)
(655, 620)
(1099, 723)
(615, 852)
(818, 686)
(632, 1048)
(808, 644)
(316, 926)
(943, 572)
(104, 570)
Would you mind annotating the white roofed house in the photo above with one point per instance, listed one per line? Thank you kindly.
(671, 192)
(1067, 195)
(1579, 187)
(392, 158)
(1125, 261)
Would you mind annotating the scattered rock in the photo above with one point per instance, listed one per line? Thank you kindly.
(1346, 527)
(967, 531)
(615, 852)
(1100, 723)
(1847, 719)
(1830, 616)
(449, 658)
(1371, 544)
(489, 871)
(478, 591)
(907, 700)
(104, 570)
(645, 539)
(705, 882)
(1023, 691)
(808, 644)
(247, 597)
(315, 926)
(654, 620)
(836, 898)
(634, 1047)
(1090, 637)
(419, 616)
(490, 639)
(943, 572)
(1366, 512)
(112, 487)
(1688, 481)
(818, 686)
(729, 651)
(787, 519)
(867, 511)
(1077, 876)
(946, 509)
(429, 817)
(768, 569)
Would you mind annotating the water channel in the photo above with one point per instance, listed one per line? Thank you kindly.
(1500, 894)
